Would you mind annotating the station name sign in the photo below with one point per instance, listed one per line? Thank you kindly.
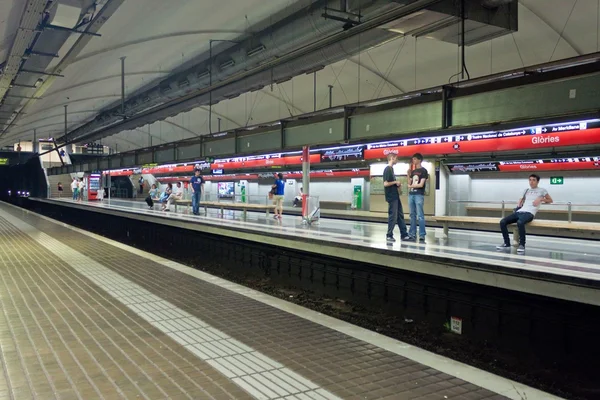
(569, 134)
(555, 164)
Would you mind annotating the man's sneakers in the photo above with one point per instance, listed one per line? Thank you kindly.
(504, 247)
(390, 239)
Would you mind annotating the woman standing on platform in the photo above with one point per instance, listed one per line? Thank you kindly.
(279, 187)
(81, 187)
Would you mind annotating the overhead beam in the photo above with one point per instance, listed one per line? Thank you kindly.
(40, 53)
(29, 71)
(24, 86)
(63, 29)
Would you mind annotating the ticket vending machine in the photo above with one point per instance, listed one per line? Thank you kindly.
(94, 186)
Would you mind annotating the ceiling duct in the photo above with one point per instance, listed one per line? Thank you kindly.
(66, 14)
(484, 21)
(496, 3)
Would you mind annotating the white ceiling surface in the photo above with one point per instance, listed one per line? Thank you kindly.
(402, 65)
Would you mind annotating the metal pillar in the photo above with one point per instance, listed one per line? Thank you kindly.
(123, 87)
(219, 122)
(315, 91)
(34, 145)
(330, 96)
(66, 138)
(210, 69)
(444, 107)
(305, 183)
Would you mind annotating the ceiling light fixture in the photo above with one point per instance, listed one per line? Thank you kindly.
(256, 50)
(227, 64)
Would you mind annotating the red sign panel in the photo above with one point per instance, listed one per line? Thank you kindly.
(121, 173)
(560, 166)
(292, 175)
(525, 142)
(166, 169)
(266, 162)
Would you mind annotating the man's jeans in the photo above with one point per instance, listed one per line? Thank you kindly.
(521, 218)
(396, 216)
(196, 202)
(415, 203)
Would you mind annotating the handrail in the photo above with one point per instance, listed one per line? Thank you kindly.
(555, 203)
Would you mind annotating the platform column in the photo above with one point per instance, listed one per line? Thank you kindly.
(305, 182)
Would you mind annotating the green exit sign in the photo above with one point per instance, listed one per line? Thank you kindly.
(557, 180)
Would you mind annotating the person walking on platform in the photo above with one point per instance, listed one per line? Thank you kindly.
(197, 183)
(392, 196)
(75, 188)
(528, 206)
(279, 187)
(417, 176)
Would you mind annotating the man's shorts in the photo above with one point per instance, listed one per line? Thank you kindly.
(278, 200)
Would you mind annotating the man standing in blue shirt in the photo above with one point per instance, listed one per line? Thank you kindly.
(279, 188)
(197, 183)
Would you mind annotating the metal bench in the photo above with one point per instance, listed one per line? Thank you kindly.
(586, 229)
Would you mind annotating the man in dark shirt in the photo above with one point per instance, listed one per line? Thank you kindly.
(197, 183)
(416, 196)
(395, 212)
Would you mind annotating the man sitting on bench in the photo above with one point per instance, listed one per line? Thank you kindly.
(528, 206)
(173, 197)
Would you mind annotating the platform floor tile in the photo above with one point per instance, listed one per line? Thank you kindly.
(153, 329)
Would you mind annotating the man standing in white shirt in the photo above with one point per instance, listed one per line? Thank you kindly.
(528, 206)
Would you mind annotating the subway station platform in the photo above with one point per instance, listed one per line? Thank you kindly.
(86, 317)
(566, 269)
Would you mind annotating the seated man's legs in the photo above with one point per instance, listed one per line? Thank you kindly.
(524, 218)
(510, 219)
(170, 201)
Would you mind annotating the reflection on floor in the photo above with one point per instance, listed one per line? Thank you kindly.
(567, 257)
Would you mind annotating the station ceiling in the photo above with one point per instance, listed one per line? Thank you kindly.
(160, 38)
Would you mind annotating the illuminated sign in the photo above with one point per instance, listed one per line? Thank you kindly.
(568, 134)
(4, 161)
(343, 154)
(555, 164)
